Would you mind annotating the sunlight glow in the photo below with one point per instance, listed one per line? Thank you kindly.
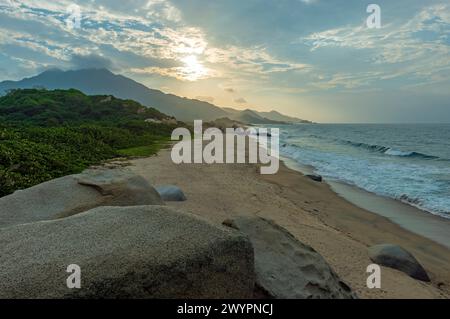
(193, 69)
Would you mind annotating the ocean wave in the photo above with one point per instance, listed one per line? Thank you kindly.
(390, 151)
(411, 183)
(408, 200)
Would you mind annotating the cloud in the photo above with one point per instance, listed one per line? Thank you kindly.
(252, 61)
(282, 51)
(241, 100)
(142, 34)
(418, 48)
(128, 34)
(79, 61)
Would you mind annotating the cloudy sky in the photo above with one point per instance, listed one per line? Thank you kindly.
(315, 59)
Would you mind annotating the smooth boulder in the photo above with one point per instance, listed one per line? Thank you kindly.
(126, 252)
(396, 257)
(285, 267)
(171, 193)
(73, 194)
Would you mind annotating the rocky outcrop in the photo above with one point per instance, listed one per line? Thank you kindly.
(73, 194)
(171, 193)
(396, 257)
(287, 268)
(126, 252)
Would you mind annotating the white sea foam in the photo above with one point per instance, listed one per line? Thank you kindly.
(393, 152)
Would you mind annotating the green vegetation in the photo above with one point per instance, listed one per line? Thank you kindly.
(49, 134)
(42, 107)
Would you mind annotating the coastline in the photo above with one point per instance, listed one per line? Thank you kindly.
(409, 217)
(339, 230)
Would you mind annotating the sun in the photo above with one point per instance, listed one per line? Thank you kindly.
(193, 70)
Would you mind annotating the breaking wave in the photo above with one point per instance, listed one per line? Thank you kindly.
(390, 151)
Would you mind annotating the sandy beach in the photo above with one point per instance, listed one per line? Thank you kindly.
(339, 230)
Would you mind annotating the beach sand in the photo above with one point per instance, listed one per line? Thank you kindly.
(340, 231)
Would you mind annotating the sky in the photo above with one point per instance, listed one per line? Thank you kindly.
(315, 59)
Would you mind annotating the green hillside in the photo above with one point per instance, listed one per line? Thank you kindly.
(42, 107)
(48, 134)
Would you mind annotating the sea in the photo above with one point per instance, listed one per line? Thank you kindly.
(406, 162)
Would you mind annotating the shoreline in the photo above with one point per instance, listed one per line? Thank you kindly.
(409, 217)
(312, 212)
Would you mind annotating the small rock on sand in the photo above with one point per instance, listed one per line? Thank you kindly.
(315, 177)
(171, 193)
(396, 257)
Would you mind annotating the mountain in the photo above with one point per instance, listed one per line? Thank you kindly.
(251, 117)
(255, 117)
(231, 111)
(277, 116)
(104, 82)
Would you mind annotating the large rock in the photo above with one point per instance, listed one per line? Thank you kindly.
(396, 257)
(285, 267)
(126, 252)
(73, 194)
(171, 193)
